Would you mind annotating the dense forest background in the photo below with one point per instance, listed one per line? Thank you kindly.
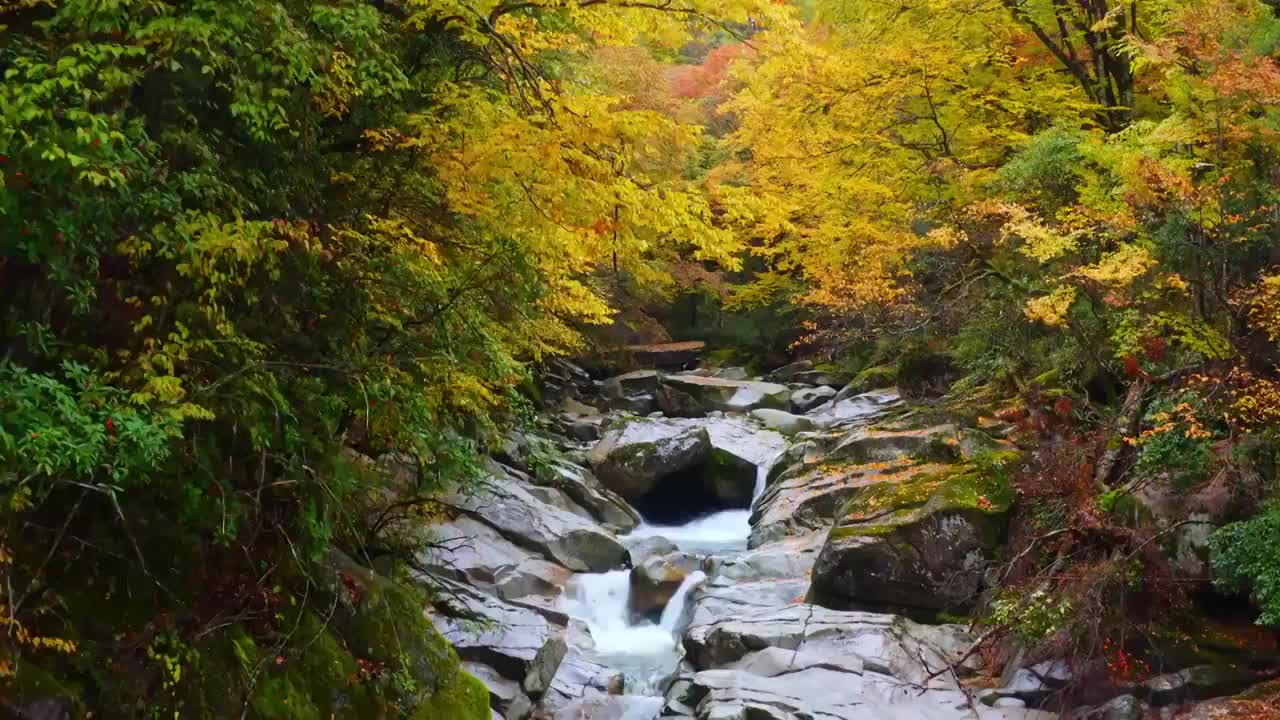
(241, 238)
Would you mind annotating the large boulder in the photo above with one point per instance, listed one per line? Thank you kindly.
(855, 409)
(693, 396)
(526, 521)
(783, 421)
(581, 486)
(874, 444)
(632, 458)
(787, 372)
(822, 378)
(630, 384)
(466, 549)
(485, 630)
(923, 544)
(888, 644)
(655, 581)
(809, 497)
(738, 450)
(806, 399)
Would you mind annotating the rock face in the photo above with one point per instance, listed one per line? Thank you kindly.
(631, 459)
(487, 631)
(738, 448)
(526, 521)
(806, 399)
(810, 662)
(783, 422)
(923, 543)
(588, 492)
(693, 396)
(655, 580)
(630, 384)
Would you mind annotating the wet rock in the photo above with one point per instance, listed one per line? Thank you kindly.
(859, 408)
(544, 666)
(1124, 707)
(502, 691)
(789, 371)
(692, 396)
(577, 679)
(557, 498)
(782, 421)
(485, 630)
(822, 378)
(867, 445)
(833, 692)
(584, 430)
(641, 404)
(526, 521)
(631, 459)
(580, 485)
(738, 448)
(806, 399)
(467, 549)
(630, 384)
(656, 580)
(1196, 683)
(646, 547)
(808, 498)
(922, 543)
(888, 644)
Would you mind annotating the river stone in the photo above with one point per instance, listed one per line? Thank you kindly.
(691, 396)
(783, 421)
(1124, 707)
(603, 504)
(888, 644)
(738, 448)
(656, 580)
(872, 444)
(630, 460)
(630, 384)
(469, 550)
(921, 543)
(731, 373)
(806, 399)
(821, 378)
(502, 691)
(1196, 683)
(486, 630)
(526, 521)
(858, 408)
(641, 404)
(786, 372)
(646, 547)
(807, 498)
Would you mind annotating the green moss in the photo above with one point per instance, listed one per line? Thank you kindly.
(875, 377)
(980, 489)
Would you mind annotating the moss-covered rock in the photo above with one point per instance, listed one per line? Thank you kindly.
(873, 378)
(924, 542)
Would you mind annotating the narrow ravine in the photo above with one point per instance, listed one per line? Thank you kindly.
(647, 653)
(704, 554)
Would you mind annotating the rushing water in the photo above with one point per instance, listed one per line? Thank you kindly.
(645, 652)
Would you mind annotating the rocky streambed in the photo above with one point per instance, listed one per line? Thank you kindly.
(721, 548)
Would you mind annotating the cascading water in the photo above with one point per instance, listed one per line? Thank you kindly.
(645, 652)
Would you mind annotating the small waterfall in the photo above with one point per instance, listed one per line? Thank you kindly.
(674, 609)
(762, 477)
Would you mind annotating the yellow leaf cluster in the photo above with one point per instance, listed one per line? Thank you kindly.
(1051, 309)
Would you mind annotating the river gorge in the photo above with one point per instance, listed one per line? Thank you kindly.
(703, 545)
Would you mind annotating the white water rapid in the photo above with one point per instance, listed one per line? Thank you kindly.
(647, 653)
